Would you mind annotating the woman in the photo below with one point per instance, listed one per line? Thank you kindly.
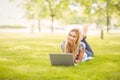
(74, 45)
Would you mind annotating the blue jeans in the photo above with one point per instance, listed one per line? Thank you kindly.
(88, 50)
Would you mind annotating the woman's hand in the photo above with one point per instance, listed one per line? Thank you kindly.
(77, 61)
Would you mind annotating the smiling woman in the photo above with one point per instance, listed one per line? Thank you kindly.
(74, 46)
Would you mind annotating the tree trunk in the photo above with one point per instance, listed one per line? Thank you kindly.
(108, 15)
(108, 23)
(39, 27)
(32, 27)
(102, 34)
(52, 29)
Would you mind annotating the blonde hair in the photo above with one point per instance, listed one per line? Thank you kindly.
(74, 50)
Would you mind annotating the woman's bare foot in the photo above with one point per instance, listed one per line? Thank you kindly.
(85, 29)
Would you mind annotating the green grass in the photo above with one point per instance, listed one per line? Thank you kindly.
(11, 26)
(25, 57)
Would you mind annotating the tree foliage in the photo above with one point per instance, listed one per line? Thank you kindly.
(101, 8)
(72, 11)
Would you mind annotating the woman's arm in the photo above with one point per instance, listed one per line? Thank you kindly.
(63, 51)
(80, 55)
(63, 46)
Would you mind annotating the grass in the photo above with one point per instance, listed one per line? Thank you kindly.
(25, 57)
(11, 26)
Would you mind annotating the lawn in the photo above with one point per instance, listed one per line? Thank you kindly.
(25, 56)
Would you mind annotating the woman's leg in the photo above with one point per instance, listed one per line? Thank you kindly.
(85, 29)
(88, 48)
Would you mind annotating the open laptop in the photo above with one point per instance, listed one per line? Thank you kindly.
(65, 59)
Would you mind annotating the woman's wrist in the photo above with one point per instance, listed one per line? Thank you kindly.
(78, 61)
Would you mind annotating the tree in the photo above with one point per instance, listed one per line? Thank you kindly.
(101, 8)
(38, 9)
(34, 10)
(55, 9)
(41, 11)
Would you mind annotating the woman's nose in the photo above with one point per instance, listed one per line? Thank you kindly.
(71, 37)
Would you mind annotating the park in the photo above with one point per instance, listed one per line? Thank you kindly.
(24, 55)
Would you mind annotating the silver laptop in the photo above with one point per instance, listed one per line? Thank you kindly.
(63, 59)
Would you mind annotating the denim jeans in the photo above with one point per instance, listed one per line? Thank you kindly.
(89, 50)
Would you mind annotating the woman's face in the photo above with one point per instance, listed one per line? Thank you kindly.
(72, 37)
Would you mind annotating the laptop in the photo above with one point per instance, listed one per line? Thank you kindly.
(65, 59)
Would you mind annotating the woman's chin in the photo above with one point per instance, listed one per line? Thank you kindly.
(70, 42)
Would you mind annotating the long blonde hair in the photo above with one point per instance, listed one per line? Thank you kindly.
(74, 50)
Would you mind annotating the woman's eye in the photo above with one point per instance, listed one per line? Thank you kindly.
(74, 36)
(69, 34)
